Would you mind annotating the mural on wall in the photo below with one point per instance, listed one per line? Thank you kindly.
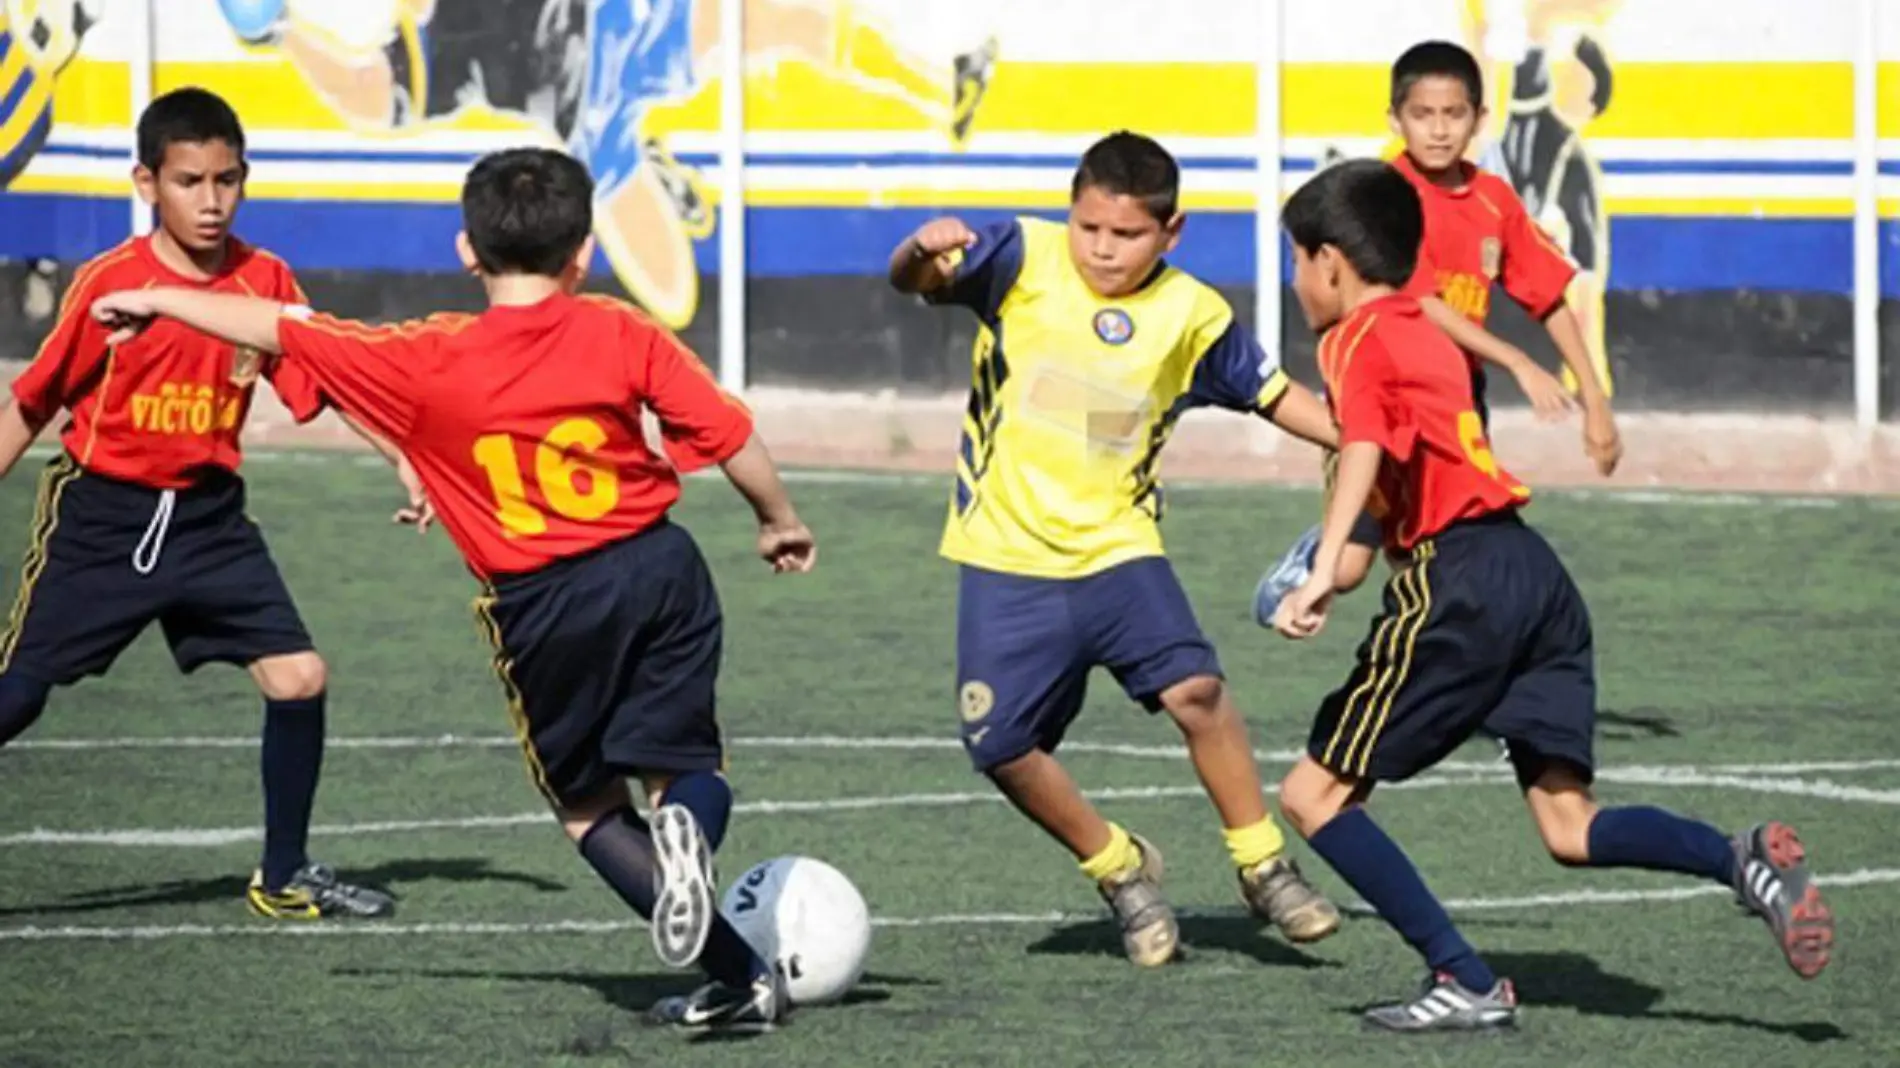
(1551, 79)
(38, 38)
(1706, 143)
(586, 73)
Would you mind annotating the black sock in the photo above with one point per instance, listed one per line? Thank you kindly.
(21, 702)
(620, 848)
(292, 764)
(1645, 837)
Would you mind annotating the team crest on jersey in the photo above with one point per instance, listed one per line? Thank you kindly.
(246, 366)
(1114, 326)
(1493, 253)
(975, 700)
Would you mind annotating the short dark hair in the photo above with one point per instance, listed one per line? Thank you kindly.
(527, 210)
(186, 116)
(1128, 164)
(1436, 59)
(1365, 209)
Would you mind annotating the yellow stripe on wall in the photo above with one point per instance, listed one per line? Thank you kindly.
(1652, 100)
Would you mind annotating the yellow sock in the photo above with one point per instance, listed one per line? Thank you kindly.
(1250, 846)
(1118, 856)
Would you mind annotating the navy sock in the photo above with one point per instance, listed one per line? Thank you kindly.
(292, 763)
(21, 702)
(1380, 871)
(1641, 836)
(708, 796)
(619, 846)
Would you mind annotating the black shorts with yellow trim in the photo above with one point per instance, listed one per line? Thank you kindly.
(106, 559)
(1483, 632)
(609, 661)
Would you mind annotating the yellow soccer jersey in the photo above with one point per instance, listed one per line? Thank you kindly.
(1072, 398)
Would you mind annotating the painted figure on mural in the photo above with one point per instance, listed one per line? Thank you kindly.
(37, 39)
(1554, 81)
(587, 72)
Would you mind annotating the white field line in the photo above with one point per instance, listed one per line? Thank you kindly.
(1690, 498)
(891, 743)
(1468, 774)
(1845, 880)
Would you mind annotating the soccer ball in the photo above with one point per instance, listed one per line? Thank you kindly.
(806, 916)
(48, 32)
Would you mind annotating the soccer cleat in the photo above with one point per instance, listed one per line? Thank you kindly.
(1284, 577)
(718, 1007)
(1772, 881)
(971, 81)
(315, 893)
(1276, 892)
(1150, 934)
(1445, 1005)
(683, 886)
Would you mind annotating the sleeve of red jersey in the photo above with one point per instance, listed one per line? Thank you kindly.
(70, 357)
(365, 371)
(1536, 270)
(700, 423)
(292, 381)
(1367, 404)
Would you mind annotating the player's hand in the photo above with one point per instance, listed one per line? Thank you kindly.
(124, 313)
(940, 236)
(1302, 614)
(1601, 441)
(788, 547)
(1548, 397)
(419, 512)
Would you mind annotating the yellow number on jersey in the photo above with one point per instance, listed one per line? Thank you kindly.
(564, 454)
(1477, 446)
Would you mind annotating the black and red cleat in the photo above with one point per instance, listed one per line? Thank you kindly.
(1772, 880)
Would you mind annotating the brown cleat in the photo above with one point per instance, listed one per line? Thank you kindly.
(1275, 891)
(1150, 934)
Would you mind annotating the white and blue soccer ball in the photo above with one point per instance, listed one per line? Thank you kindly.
(806, 916)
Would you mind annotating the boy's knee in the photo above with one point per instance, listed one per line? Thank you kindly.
(295, 677)
(1310, 796)
(1196, 701)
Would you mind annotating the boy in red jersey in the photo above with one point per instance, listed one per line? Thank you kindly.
(141, 516)
(1477, 235)
(1482, 628)
(524, 426)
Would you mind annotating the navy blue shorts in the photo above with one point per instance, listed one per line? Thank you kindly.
(609, 662)
(1025, 647)
(1483, 631)
(105, 559)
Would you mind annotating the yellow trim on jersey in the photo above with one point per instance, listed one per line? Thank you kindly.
(1272, 390)
(517, 708)
(53, 482)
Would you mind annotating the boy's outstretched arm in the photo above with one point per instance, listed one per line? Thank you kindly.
(1547, 395)
(925, 261)
(1303, 613)
(784, 541)
(247, 321)
(1301, 413)
(1601, 440)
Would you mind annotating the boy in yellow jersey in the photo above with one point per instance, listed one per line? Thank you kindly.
(1091, 348)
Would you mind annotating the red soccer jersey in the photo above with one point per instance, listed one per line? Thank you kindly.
(1479, 234)
(1397, 381)
(171, 400)
(524, 423)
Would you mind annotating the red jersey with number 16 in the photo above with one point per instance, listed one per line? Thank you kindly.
(1395, 380)
(524, 423)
